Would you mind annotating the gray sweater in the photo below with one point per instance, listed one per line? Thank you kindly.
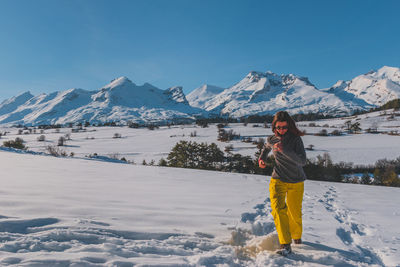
(288, 163)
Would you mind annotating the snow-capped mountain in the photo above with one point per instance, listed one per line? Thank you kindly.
(121, 100)
(266, 93)
(375, 87)
(13, 103)
(257, 93)
(199, 96)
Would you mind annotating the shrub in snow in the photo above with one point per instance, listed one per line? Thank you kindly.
(220, 125)
(366, 179)
(226, 136)
(373, 128)
(41, 138)
(247, 140)
(117, 135)
(152, 127)
(61, 141)
(56, 151)
(193, 134)
(323, 132)
(162, 162)
(202, 123)
(18, 143)
(336, 133)
(132, 124)
(355, 127)
(347, 125)
(310, 147)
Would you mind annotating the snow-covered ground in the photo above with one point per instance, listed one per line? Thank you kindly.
(81, 212)
(77, 211)
(143, 144)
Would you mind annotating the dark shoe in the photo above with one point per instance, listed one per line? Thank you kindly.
(285, 250)
(297, 241)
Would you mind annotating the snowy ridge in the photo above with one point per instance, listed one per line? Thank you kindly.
(375, 87)
(13, 103)
(120, 100)
(266, 93)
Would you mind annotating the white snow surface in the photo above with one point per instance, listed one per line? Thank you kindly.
(91, 212)
(77, 212)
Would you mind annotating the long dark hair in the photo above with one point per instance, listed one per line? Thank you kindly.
(284, 116)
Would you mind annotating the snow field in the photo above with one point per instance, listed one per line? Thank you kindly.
(143, 144)
(77, 212)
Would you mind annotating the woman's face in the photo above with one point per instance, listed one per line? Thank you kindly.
(281, 127)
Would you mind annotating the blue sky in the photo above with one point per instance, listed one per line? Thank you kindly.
(51, 45)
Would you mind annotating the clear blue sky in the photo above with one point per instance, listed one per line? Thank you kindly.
(51, 45)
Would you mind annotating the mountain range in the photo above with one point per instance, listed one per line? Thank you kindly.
(266, 93)
(120, 100)
(257, 93)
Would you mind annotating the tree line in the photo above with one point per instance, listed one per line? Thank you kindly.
(187, 154)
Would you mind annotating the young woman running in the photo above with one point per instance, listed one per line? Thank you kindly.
(287, 184)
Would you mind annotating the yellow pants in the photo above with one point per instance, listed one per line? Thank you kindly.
(286, 203)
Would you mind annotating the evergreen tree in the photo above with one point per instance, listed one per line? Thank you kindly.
(193, 155)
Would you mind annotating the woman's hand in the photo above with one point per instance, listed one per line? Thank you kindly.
(278, 147)
(261, 164)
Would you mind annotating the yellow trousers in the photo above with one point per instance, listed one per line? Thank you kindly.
(286, 203)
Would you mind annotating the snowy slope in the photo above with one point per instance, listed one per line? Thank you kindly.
(267, 93)
(121, 100)
(75, 212)
(13, 103)
(200, 96)
(375, 87)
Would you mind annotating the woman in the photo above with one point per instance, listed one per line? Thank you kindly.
(287, 184)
